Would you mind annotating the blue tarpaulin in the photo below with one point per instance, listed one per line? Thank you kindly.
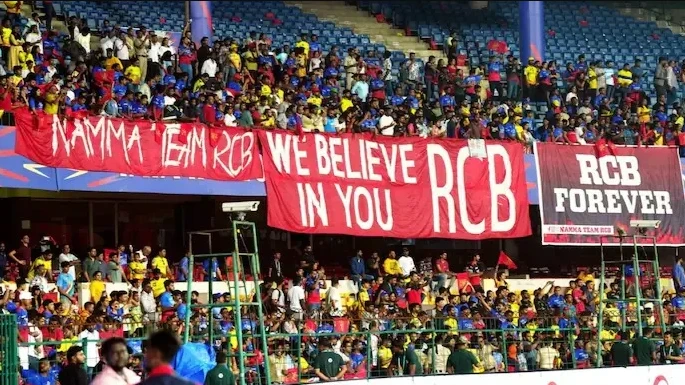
(193, 361)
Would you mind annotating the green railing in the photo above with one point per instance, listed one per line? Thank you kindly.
(9, 357)
(425, 343)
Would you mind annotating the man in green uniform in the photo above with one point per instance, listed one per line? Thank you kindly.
(620, 351)
(461, 361)
(329, 365)
(220, 374)
(643, 348)
(408, 361)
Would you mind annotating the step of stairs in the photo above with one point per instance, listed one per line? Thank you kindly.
(361, 22)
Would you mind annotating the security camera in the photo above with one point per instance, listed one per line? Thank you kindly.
(645, 224)
(239, 207)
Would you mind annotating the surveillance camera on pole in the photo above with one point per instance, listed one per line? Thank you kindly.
(240, 208)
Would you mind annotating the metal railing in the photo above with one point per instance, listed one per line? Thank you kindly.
(292, 355)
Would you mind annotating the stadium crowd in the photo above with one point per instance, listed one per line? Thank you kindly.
(407, 318)
(305, 86)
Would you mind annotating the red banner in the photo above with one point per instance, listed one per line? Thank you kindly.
(590, 194)
(141, 148)
(393, 187)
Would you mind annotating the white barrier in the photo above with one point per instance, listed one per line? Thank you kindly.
(346, 286)
(642, 375)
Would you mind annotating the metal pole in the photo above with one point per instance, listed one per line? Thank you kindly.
(638, 290)
(189, 288)
(602, 304)
(238, 316)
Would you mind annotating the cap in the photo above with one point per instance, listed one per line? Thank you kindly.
(530, 58)
(25, 295)
(463, 341)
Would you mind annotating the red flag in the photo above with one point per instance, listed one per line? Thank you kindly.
(506, 261)
(183, 135)
(604, 147)
(214, 136)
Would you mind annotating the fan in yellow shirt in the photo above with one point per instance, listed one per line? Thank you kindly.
(157, 283)
(97, 287)
(160, 262)
(44, 260)
(133, 72)
(385, 353)
(391, 266)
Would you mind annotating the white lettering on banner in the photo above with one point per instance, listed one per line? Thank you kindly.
(609, 170)
(85, 135)
(439, 158)
(108, 138)
(175, 154)
(334, 156)
(311, 200)
(373, 213)
(619, 171)
(612, 201)
(223, 156)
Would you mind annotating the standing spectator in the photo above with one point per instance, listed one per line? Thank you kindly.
(65, 285)
(334, 299)
(73, 373)
(148, 303)
(114, 272)
(162, 263)
(406, 263)
(462, 361)
(669, 352)
(220, 374)
(275, 271)
(475, 270)
(162, 347)
(547, 355)
(67, 256)
(513, 69)
(184, 271)
(661, 77)
(22, 256)
(620, 351)
(116, 357)
(296, 299)
(92, 264)
(643, 348)
(91, 337)
(329, 365)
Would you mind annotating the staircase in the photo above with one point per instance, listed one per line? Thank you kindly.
(362, 23)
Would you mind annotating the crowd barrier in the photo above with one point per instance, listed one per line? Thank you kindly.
(644, 375)
(347, 287)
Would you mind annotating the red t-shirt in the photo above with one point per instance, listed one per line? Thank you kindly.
(413, 297)
(442, 265)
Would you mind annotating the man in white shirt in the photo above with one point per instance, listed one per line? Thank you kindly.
(122, 49)
(296, 299)
(386, 124)
(277, 296)
(209, 67)
(148, 305)
(92, 345)
(107, 42)
(67, 256)
(334, 298)
(546, 357)
(406, 263)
